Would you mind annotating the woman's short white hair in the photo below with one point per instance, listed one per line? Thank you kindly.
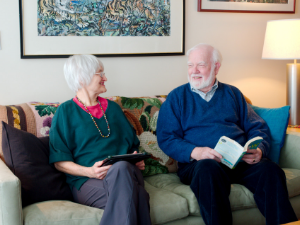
(216, 54)
(79, 70)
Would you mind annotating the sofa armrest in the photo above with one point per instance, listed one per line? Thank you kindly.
(290, 152)
(10, 197)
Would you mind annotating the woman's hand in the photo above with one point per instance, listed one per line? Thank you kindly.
(98, 172)
(140, 164)
(254, 156)
(77, 170)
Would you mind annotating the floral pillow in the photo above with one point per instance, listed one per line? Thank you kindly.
(143, 114)
(43, 113)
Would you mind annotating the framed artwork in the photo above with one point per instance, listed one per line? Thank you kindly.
(60, 28)
(247, 6)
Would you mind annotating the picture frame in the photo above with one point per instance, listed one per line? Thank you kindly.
(247, 6)
(162, 32)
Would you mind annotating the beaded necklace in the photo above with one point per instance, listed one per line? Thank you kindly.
(93, 117)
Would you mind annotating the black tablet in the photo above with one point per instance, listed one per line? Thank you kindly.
(132, 158)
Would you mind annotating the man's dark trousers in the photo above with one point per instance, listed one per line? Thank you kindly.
(210, 181)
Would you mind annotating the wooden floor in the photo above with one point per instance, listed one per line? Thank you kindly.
(293, 223)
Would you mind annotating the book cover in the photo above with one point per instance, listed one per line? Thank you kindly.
(232, 152)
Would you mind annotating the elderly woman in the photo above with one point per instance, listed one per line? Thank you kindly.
(87, 129)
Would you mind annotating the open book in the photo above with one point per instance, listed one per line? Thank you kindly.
(232, 151)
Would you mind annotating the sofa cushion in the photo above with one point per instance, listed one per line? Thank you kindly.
(171, 182)
(293, 181)
(240, 197)
(27, 156)
(290, 154)
(165, 205)
(61, 212)
(277, 119)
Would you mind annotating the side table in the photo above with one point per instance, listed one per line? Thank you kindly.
(290, 129)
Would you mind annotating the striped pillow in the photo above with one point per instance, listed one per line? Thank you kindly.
(33, 117)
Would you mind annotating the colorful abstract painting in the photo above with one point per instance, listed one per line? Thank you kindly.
(103, 18)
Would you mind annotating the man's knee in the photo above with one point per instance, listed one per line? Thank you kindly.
(207, 167)
(270, 169)
(209, 175)
(209, 171)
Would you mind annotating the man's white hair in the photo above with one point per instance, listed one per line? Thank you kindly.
(79, 70)
(216, 54)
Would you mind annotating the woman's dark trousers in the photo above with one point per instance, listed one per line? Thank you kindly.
(210, 181)
(121, 194)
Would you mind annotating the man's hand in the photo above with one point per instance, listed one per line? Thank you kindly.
(98, 172)
(140, 164)
(205, 153)
(254, 156)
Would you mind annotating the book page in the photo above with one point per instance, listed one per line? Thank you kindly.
(253, 143)
(230, 150)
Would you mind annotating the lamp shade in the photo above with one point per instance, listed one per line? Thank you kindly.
(282, 39)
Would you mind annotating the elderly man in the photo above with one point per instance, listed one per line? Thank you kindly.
(191, 121)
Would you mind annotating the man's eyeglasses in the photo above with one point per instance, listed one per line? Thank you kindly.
(101, 74)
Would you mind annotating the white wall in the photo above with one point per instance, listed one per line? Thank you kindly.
(239, 36)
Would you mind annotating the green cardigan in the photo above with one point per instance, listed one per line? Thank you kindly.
(74, 137)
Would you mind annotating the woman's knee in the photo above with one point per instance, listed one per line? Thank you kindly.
(122, 167)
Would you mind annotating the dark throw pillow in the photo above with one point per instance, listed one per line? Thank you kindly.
(28, 158)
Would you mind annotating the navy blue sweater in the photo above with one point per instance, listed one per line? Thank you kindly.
(187, 121)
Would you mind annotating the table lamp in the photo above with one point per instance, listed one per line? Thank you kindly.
(282, 41)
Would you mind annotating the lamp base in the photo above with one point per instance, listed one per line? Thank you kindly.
(293, 92)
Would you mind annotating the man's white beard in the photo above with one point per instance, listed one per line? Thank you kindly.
(201, 84)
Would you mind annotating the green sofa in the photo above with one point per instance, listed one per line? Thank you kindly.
(171, 202)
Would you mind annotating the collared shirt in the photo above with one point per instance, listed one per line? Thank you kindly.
(207, 96)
